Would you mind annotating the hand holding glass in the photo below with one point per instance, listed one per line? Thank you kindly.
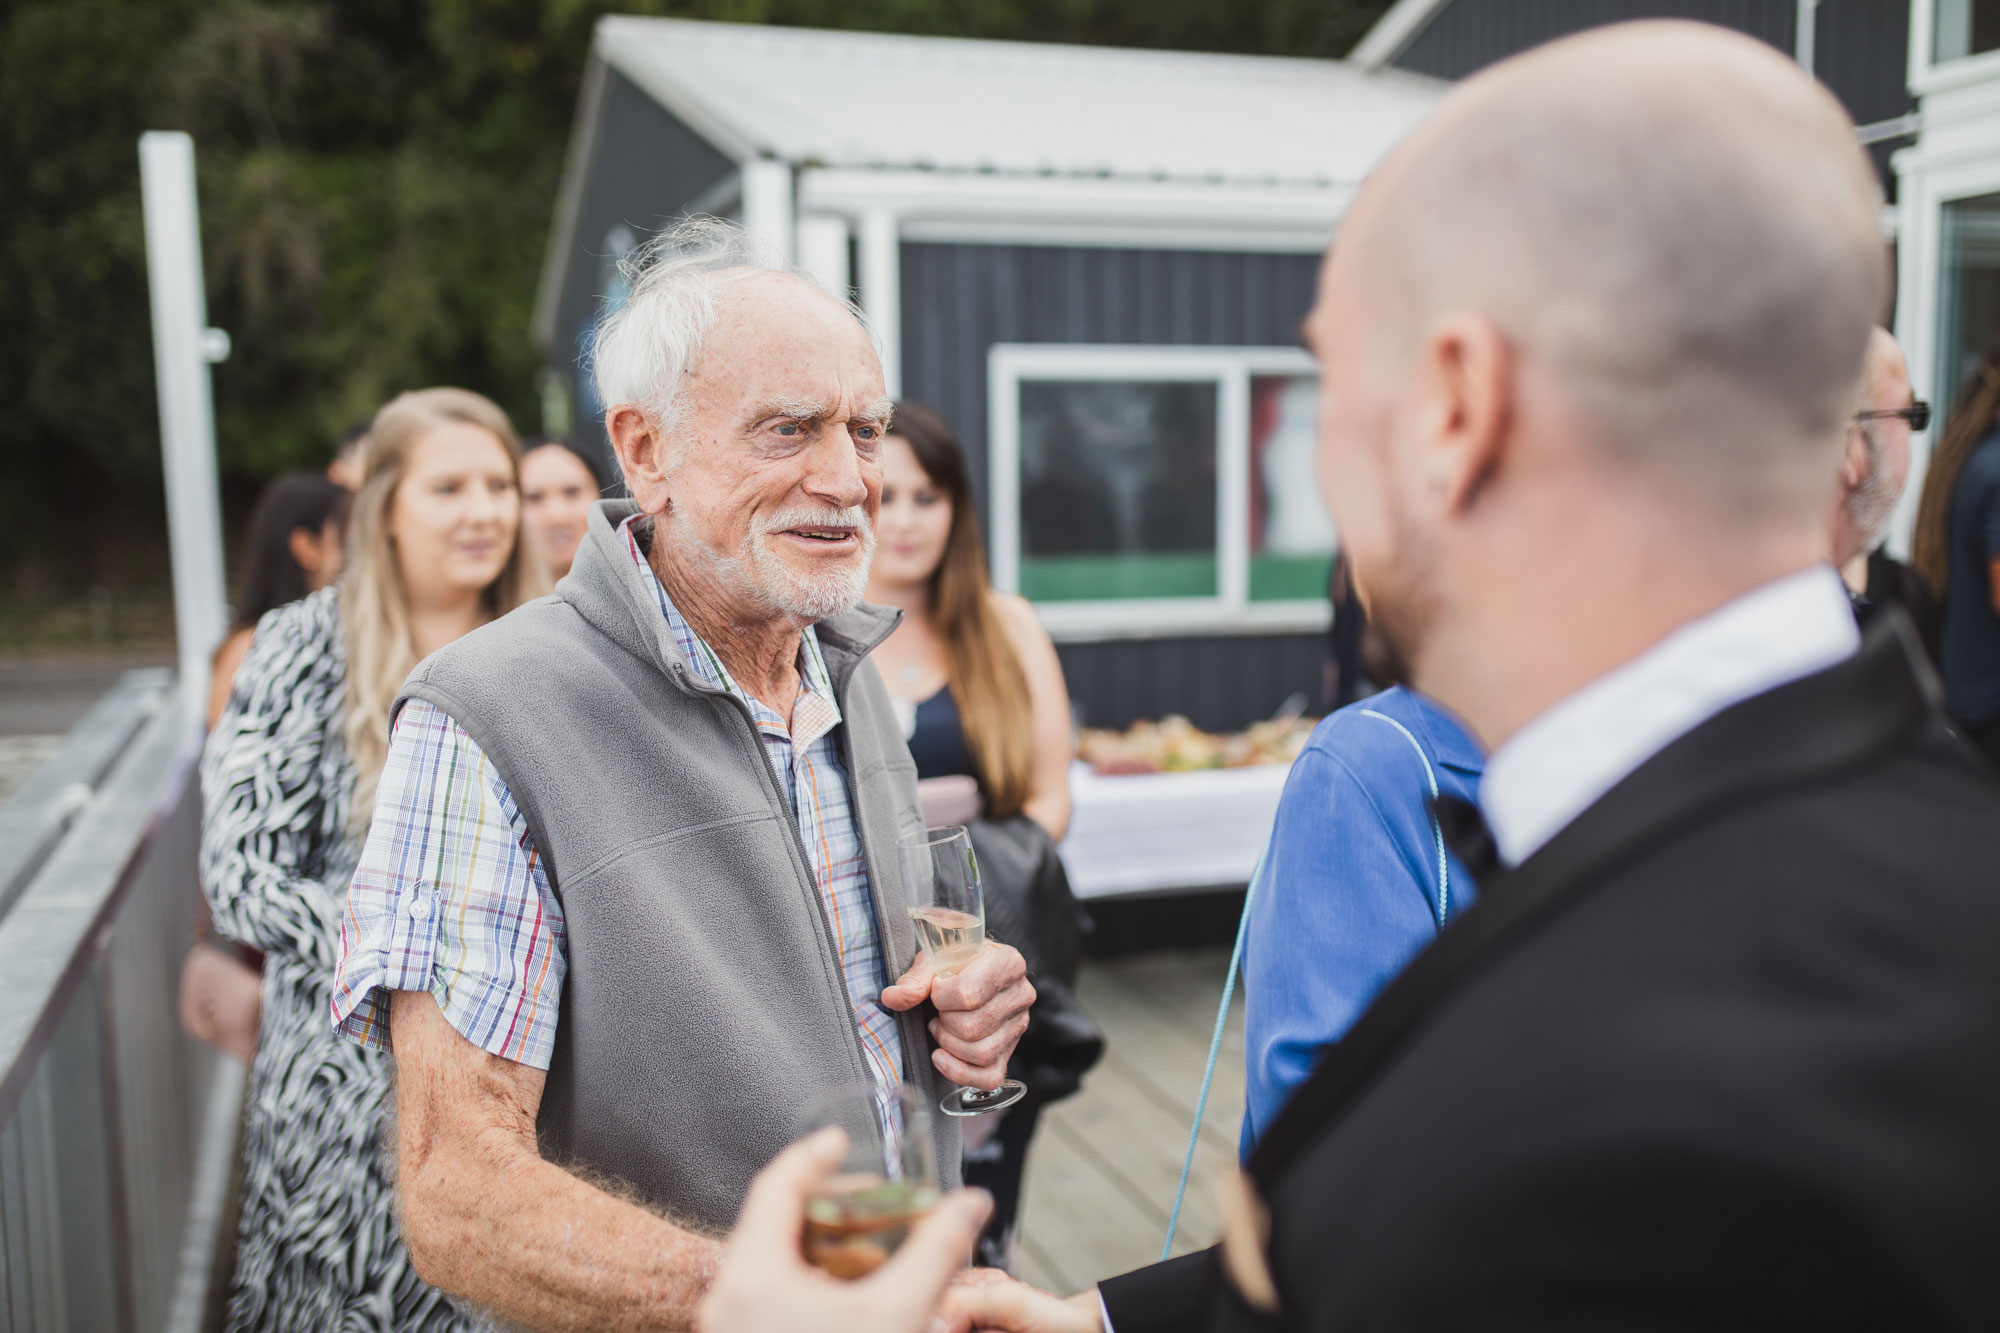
(857, 1217)
(941, 876)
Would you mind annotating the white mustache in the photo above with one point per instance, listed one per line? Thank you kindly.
(854, 516)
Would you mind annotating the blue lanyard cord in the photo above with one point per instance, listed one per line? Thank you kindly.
(1236, 963)
(1437, 829)
(1214, 1050)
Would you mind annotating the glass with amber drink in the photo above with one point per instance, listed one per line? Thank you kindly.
(885, 1184)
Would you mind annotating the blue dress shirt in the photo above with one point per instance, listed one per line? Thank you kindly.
(1356, 880)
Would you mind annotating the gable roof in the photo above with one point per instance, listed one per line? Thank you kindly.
(953, 105)
(1393, 32)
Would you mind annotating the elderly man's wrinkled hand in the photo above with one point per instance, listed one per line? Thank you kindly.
(765, 1284)
(982, 1012)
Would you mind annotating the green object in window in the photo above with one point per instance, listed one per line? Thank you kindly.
(1290, 578)
(1111, 578)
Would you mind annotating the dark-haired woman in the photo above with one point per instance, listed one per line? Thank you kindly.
(973, 669)
(982, 696)
(1957, 550)
(293, 548)
(558, 487)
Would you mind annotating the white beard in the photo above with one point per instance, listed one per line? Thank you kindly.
(762, 576)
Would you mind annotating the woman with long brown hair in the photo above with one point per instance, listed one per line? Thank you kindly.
(982, 697)
(1957, 549)
(972, 668)
(288, 779)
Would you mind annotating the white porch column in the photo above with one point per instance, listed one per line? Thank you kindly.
(822, 242)
(183, 347)
(882, 290)
(767, 202)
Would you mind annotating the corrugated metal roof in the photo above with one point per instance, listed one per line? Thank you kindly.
(849, 99)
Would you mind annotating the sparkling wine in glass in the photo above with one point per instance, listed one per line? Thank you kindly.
(856, 1218)
(941, 876)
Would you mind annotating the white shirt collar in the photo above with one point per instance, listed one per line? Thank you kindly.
(1556, 767)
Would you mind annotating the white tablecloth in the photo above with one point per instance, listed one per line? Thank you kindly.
(1159, 832)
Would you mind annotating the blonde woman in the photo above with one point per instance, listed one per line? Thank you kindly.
(288, 777)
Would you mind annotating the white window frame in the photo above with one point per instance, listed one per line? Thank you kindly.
(1928, 75)
(1231, 369)
(1933, 176)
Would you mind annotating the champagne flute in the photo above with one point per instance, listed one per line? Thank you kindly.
(857, 1217)
(941, 877)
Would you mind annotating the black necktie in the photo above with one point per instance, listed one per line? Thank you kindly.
(1468, 837)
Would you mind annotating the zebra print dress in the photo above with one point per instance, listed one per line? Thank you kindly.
(318, 1245)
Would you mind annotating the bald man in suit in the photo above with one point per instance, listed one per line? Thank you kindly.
(1715, 1049)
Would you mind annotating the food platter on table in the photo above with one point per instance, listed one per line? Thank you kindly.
(1176, 745)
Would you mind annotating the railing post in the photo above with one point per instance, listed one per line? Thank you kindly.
(183, 347)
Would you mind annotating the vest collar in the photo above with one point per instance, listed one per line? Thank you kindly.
(609, 590)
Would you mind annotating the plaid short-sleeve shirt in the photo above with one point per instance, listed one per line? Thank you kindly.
(451, 897)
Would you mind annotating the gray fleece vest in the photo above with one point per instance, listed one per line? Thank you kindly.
(704, 1008)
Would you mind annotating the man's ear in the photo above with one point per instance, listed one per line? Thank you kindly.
(642, 454)
(1855, 467)
(1468, 376)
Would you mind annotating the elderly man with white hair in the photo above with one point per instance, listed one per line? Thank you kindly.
(629, 904)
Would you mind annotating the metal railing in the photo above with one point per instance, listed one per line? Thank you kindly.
(117, 1130)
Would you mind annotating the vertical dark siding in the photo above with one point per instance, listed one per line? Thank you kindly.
(1860, 46)
(645, 168)
(959, 300)
(1861, 51)
(1218, 683)
(1468, 34)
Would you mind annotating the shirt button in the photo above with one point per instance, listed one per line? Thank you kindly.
(420, 904)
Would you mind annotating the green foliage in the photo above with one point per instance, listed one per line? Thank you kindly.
(377, 178)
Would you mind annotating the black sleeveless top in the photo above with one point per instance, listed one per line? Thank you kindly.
(938, 743)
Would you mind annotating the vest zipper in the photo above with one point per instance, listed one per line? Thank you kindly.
(804, 861)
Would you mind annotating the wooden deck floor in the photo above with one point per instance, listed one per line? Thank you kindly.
(1103, 1165)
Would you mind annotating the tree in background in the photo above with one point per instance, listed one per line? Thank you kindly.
(377, 178)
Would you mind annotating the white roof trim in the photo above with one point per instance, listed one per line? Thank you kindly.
(1110, 143)
(569, 200)
(1117, 236)
(973, 106)
(1394, 31)
(1100, 201)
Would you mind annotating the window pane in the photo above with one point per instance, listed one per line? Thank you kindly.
(1117, 489)
(1968, 292)
(1291, 536)
(1965, 28)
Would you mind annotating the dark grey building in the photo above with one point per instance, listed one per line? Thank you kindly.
(1921, 79)
(1859, 48)
(1093, 262)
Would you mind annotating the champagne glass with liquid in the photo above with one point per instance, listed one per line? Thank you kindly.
(857, 1217)
(941, 876)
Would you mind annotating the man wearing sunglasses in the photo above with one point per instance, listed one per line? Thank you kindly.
(1873, 472)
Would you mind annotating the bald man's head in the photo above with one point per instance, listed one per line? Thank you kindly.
(1636, 268)
(1672, 225)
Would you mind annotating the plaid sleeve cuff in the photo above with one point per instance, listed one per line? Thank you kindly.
(366, 1019)
(450, 897)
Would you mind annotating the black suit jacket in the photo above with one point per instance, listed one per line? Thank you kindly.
(1725, 1054)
